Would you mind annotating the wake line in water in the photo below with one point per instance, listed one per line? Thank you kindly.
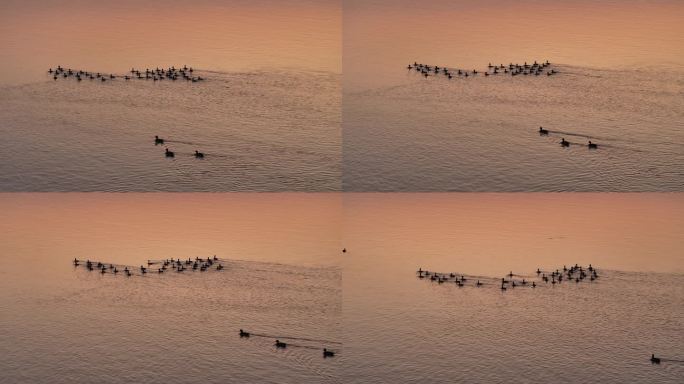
(600, 145)
(671, 360)
(273, 147)
(183, 142)
(582, 75)
(302, 346)
(306, 360)
(576, 134)
(206, 155)
(621, 148)
(322, 341)
(574, 274)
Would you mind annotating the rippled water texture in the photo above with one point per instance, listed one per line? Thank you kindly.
(267, 117)
(399, 328)
(62, 324)
(620, 85)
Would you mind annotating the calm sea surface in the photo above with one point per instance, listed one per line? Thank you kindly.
(62, 324)
(267, 116)
(399, 328)
(620, 84)
(285, 277)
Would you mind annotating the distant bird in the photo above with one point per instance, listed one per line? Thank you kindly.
(327, 353)
(543, 132)
(158, 140)
(243, 333)
(280, 344)
(564, 143)
(655, 360)
(199, 155)
(592, 145)
(169, 153)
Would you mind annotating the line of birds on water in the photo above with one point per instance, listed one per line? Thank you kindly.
(282, 345)
(534, 69)
(564, 143)
(178, 265)
(575, 273)
(167, 153)
(157, 74)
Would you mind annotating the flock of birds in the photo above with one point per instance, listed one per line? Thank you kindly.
(178, 265)
(525, 69)
(575, 274)
(161, 266)
(159, 141)
(157, 74)
(282, 345)
(564, 143)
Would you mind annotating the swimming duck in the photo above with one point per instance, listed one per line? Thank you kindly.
(564, 143)
(280, 344)
(169, 153)
(199, 155)
(655, 360)
(592, 145)
(327, 353)
(543, 131)
(243, 333)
